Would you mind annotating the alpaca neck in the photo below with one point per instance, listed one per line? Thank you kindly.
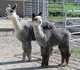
(15, 21)
(39, 32)
(40, 36)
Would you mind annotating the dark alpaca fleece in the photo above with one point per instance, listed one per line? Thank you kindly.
(52, 37)
(60, 37)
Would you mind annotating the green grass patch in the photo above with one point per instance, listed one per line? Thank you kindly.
(55, 17)
(76, 52)
(57, 12)
(53, 10)
(69, 6)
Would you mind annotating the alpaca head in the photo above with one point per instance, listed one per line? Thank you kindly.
(10, 10)
(37, 19)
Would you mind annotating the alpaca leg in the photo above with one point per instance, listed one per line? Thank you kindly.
(42, 64)
(29, 55)
(45, 57)
(62, 56)
(67, 57)
(67, 51)
(29, 48)
(42, 50)
(45, 60)
(42, 54)
(26, 50)
(51, 51)
(67, 54)
(24, 55)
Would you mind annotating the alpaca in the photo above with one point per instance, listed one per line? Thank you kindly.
(24, 31)
(52, 37)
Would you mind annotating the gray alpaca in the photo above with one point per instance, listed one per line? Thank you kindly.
(23, 30)
(47, 39)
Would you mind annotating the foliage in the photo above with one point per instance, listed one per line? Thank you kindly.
(76, 52)
(57, 12)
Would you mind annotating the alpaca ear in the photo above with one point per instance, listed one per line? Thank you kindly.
(14, 7)
(40, 14)
(9, 5)
(33, 15)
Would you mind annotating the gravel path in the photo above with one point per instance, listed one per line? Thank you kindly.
(11, 54)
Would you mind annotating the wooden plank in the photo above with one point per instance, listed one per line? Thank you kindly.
(74, 18)
(73, 10)
(73, 26)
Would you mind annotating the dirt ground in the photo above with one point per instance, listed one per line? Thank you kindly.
(11, 53)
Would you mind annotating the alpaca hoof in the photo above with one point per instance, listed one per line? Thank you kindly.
(63, 65)
(23, 60)
(28, 60)
(46, 66)
(60, 64)
(42, 66)
(66, 64)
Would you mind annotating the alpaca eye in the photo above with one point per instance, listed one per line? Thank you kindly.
(35, 19)
(11, 10)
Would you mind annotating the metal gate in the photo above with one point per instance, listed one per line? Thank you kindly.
(36, 6)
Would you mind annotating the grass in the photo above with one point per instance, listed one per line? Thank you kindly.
(51, 10)
(69, 6)
(76, 52)
(58, 11)
(55, 17)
